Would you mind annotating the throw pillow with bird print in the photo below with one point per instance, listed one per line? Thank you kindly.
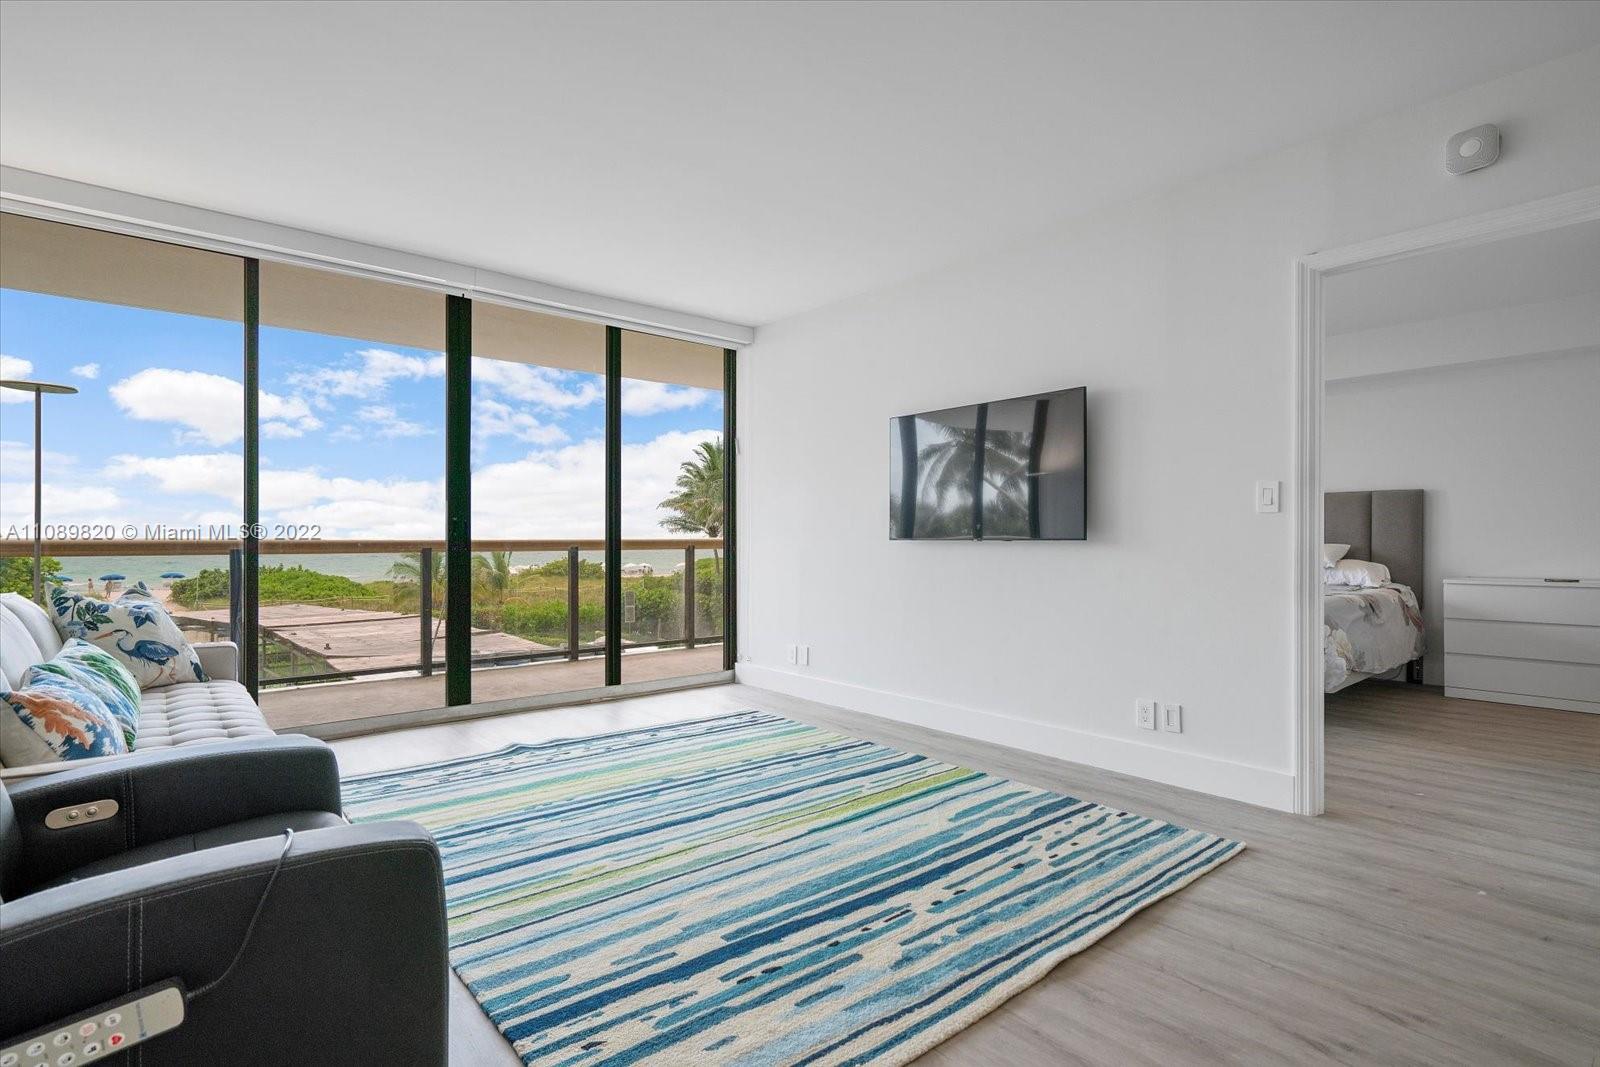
(136, 628)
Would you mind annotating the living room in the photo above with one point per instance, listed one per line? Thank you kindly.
(630, 532)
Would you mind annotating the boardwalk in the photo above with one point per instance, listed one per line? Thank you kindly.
(350, 639)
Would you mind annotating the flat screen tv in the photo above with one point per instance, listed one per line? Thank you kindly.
(1009, 470)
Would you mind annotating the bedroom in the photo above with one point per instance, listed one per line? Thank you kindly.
(1461, 469)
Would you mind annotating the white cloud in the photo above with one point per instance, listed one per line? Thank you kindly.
(219, 474)
(385, 421)
(343, 507)
(370, 376)
(552, 492)
(355, 507)
(544, 387)
(18, 456)
(651, 398)
(560, 492)
(70, 495)
(491, 418)
(15, 367)
(90, 371)
(209, 405)
(63, 503)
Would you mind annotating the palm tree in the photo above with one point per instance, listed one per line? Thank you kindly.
(493, 573)
(697, 504)
(408, 570)
(946, 466)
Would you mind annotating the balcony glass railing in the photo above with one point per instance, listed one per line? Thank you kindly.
(363, 610)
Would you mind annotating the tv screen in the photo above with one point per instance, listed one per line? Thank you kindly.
(1010, 470)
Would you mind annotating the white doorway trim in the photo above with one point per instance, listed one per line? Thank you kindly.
(1550, 213)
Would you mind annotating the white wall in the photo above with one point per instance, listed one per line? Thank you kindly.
(1507, 452)
(1176, 312)
(1540, 328)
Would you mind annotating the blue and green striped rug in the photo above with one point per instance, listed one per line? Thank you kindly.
(748, 889)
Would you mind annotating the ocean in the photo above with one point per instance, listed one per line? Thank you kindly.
(372, 567)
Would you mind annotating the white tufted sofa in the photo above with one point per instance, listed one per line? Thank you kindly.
(189, 713)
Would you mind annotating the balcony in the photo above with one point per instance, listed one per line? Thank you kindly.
(354, 629)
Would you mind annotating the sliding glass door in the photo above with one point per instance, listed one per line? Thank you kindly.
(284, 455)
(673, 508)
(538, 453)
(351, 486)
(142, 463)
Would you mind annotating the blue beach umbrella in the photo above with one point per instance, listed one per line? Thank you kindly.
(60, 578)
(113, 577)
(172, 574)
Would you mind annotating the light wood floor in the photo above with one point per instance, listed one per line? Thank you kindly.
(1446, 910)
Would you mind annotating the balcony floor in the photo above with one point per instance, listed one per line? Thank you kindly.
(293, 707)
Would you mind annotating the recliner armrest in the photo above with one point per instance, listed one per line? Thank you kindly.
(167, 793)
(347, 961)
(219, 659)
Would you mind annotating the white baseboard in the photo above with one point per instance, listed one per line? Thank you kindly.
(1592, 707)
(1205, 774)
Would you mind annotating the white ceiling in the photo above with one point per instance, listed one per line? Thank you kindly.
(1531, 269)
(745, 161)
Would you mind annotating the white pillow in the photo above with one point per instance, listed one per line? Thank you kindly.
(1357, 572)
(1332, 554)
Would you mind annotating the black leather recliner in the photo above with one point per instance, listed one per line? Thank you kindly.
(345, 963)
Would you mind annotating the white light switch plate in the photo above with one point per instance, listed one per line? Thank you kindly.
(1267, 497)
(1172, 718)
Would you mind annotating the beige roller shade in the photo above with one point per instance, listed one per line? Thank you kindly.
(85, 264)
(72, 261)
(342, 305)
(521, 336)
(666, 359)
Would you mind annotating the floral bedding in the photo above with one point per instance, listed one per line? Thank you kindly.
(1368, 631)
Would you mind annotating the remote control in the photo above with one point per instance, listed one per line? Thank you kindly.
(93, 1035)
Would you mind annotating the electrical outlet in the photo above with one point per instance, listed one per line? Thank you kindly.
(794, 654)
(1172, 718)
(1146, 710)
(805, 655)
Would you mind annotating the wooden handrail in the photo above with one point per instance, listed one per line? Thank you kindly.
(185, 547)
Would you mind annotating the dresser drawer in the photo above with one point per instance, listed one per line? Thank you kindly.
(1564, 681)
(1523, 640)
(1573, 605)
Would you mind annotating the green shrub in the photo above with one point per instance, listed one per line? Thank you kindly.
(16, 573)
(279, 585)
(557, 568)
(209, 585)
(544, 621)
(282, 584)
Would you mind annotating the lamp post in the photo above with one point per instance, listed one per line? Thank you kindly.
(38, 389)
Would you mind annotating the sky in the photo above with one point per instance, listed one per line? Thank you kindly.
(352, 439)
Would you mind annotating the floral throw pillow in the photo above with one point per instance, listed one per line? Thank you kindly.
(99, 672)
(135, 628)
(55, 718)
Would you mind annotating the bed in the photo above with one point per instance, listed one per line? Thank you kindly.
(1374, 632)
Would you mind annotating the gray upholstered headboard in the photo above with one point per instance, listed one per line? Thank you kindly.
(1384, 526)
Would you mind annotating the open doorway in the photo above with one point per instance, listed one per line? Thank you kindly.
(1448, 566)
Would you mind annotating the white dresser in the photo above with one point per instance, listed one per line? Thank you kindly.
(1523, 641)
